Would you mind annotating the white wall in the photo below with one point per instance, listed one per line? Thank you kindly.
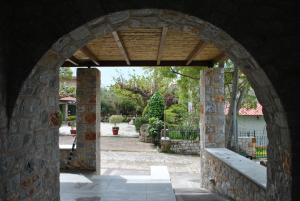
(250, 123)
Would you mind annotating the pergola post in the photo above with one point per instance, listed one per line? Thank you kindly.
(88, 118)
(212, 117)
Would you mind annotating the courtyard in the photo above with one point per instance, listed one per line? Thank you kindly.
(126, 164)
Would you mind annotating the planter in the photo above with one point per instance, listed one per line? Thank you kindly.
(73, 131)
(115, 130)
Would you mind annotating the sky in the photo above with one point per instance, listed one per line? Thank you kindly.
(108, 73)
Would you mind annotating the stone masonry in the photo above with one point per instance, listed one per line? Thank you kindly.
(212, 117)
(29, 121)
(88, 118)
(185, 147)
(226, 179)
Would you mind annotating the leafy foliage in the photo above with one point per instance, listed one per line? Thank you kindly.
(71, 118)
(184, 134)
(155, 126)
(139, 121)
(114, 119)
(155, 107)
(65, 75)
(175, 115)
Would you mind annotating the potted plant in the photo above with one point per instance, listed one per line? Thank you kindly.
(73, 127)
(72, 122)
(115, 119)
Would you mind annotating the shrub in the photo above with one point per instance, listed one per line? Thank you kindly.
(139, 121)
(71, 118)
(155, 126)
(115, 119)
(155, 107)
(175, 115)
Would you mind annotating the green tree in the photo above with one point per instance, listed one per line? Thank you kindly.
(65, 75)
(238, 93)
(156, 107)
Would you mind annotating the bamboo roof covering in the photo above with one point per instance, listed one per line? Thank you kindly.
(145, 47)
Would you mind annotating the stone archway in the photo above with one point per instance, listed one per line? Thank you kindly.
(37, 102)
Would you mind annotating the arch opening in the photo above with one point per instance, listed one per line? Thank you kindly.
(46, 74)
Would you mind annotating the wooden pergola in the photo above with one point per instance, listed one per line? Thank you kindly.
(147, 47)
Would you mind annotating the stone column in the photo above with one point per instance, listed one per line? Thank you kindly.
(88, 118)
(212, 117)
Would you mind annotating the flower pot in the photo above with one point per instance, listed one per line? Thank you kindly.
(115, 130)
(73, 131)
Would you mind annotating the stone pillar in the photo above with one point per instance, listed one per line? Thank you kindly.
(212, 117)
(88, 118)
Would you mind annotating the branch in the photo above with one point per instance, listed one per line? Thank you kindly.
(176, 72)
(135, 90)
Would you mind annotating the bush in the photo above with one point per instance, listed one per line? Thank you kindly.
(155, 107)
(139, 121)
(71, 118)
(155, 126)
(175, 115)
(115, 119)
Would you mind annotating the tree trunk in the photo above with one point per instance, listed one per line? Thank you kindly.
(230, 128)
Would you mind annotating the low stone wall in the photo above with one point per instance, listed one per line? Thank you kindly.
(232, 175)
(247, 146)
(71, 164)
(181, 146)
(144, 135)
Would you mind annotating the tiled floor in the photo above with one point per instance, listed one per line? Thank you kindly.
(154, 187)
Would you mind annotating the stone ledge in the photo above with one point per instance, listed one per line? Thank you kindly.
(253, 171)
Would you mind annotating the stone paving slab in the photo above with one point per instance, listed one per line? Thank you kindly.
(128, 144)
(80, 187)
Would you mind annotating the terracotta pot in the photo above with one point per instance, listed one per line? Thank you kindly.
(115, 130)
(73, 131)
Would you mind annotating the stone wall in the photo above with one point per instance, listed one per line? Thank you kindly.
(69, 164)
(31, 165)
(274, 80)
(247, 145)
(185, 147)
(233, 176)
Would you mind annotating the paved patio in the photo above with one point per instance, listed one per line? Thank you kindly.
(153, 187)
(125, 164)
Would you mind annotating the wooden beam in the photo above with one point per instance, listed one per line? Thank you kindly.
(87, 51)
(73, 60)
(88, 63)
(198, 48)
(121, 47)
(220, 57)
(161, 44)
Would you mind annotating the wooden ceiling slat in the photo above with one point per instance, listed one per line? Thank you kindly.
(161, 43)
(146, 44)
(121, 46)
(73, 60)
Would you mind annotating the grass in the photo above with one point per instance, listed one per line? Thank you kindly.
(183, 135)
(261, 152)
